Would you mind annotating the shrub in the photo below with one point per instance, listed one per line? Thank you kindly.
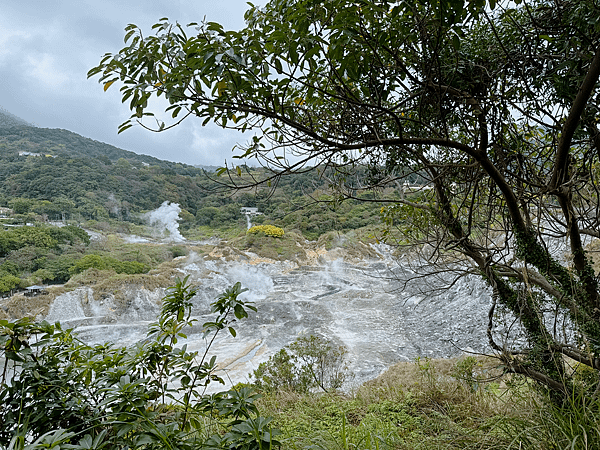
(127, 267)
(468, 371)
(308, 363)
(89, 261)
(177, 251)
(106, 262)
(43, 276)
(60, 267)
(8, 282)
(574, 424)
(268, 230)
(61, 393)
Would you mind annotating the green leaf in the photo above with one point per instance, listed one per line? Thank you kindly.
(456, 42)
(239, 312)
(124, 127)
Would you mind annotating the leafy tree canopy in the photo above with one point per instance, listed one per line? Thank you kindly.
(494, 105)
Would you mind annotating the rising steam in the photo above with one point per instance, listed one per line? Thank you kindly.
(165, 220)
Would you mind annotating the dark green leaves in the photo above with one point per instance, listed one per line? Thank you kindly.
(111, 397)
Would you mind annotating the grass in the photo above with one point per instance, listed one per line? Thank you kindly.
(448, 404)
(423, 405)
(575, 424)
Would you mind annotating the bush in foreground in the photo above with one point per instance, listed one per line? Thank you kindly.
(309, 363)
(57, 392)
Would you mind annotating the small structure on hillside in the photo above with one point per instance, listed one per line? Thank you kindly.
(5, 212)
(32, 291)
(250, 212)
(47, 155)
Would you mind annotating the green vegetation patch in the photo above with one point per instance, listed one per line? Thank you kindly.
(106, 263)
(267, 230)
(423, 405)
(45, 254)
(286, 247)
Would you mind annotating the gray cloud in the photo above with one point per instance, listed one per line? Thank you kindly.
(46, 49)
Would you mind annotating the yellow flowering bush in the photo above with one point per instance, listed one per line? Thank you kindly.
(269, 230)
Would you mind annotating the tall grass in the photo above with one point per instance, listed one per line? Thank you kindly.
(437, 404)
(574, 425)
(423, 405)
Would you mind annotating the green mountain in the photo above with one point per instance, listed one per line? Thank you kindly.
(59, 174)
(73, 176)
(53, 141)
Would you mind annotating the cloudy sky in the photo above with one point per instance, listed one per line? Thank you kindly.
(47, 47)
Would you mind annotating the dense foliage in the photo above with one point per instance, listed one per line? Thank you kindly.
(268, 230)
(39, 254)
(106, 263)
(308, 363)
(58, 392)
(83, 180)
(494, 104)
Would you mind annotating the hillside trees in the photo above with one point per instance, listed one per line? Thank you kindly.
(494, 106)
(82, 183)
(42, 251)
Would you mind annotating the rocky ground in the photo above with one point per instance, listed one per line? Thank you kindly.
(360, 295)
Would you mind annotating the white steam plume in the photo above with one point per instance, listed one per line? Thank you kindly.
(165, 218)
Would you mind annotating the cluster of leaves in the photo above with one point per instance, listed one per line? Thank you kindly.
(46, 253)
(41, 237)
(308, 363)
(268, 230)
(8, 281)
(58, 392)
(107, 263)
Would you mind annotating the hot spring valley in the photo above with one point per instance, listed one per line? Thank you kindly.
(372, 302)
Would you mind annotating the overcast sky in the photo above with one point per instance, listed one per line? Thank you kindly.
(47, 47)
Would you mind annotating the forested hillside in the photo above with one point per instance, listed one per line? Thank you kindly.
(56, 174)
(51, 174)
(54, 141)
